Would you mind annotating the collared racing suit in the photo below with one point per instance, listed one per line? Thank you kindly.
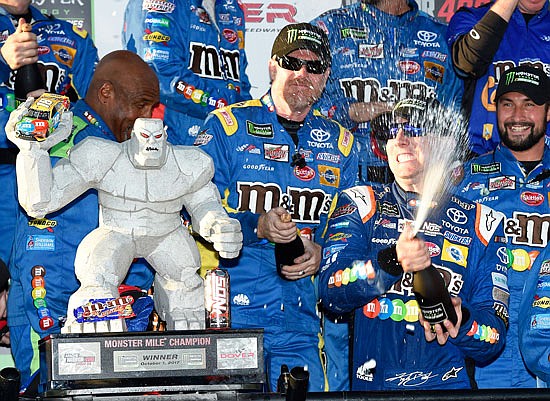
(464, 240)
(252, 154)
(378, 57)
(497, 180)
(196, 48)
(42, 267)
(534, 319)
(66, 58)
(521, 43)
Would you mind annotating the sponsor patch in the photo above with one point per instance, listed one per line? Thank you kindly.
(275, 152)
(454, 253)
(485, 168)
(329, 176)
(434, 72)
(375, 51)
(40, 243)
(260, 130)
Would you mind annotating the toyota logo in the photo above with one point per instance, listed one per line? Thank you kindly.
(457, 216)
(319, 135)
(426, 36)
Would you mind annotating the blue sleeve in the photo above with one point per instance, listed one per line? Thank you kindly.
(85, 62)
(218, 146)
(169, 54)
(534, 319)
(342, 287)
(482, 335)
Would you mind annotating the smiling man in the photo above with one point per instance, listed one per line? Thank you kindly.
(370, 256)
(275, 156)
(514, 179)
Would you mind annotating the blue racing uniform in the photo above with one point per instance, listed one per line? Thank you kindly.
(378, 57)
(390, 351)
(196, 48)
(42, 267)
(66, 57)
(497, 179)
(521, 43)
(534, 319)
(252, 153)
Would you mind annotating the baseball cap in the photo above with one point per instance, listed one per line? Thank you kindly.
(532, 82)
(302, 36)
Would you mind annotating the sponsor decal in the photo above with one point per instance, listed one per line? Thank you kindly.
(504, 182)
(343, 210)
(532, 198)
(545, 268)
(329, 251)
(454, 253)
(159, 6)
(375, 51)
(278, 153)
(542, 302)
(260, 130)
(500, 295)
(305, 173)
(151, 54)
(329, 176)
(485, 333)
(64, 54)
(230, 35)
(434, 71)
(43, 223)
(248, 148)
(500, 280)
(354, 33)
(161, 22)
(40, 243)
(409, 67)
(433, 249)
(539, 322)
(457, 216)
(485, 168)
(328, 157)
(202, 138)
(319, 135)
(434, 54)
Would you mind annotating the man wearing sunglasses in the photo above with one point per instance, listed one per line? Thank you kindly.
(274, 156)
(368, 269)
(514, 179)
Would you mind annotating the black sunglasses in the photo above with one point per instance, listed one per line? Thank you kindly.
(295, 64)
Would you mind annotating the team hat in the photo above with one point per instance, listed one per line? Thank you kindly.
(532, 82)
(302, 36)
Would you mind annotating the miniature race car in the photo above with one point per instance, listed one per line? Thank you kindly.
(43, 117)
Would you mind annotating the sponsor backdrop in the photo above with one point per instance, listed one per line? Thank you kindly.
(264, 19)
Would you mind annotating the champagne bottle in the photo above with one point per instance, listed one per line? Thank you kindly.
(287, 252)
(27, 77)
(433, 298)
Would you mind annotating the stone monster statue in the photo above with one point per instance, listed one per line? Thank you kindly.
(142, 185)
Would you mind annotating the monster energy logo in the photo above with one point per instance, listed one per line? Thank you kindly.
(293, 35)
(510, 77)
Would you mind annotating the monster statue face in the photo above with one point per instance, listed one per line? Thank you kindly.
(147, 147)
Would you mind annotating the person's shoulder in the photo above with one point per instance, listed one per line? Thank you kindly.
(469, 12)
(57, 27)
(343, 11)
(229, 116)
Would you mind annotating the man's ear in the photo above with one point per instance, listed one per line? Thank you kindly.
(272, 65)
(106, 92)
(547, 112)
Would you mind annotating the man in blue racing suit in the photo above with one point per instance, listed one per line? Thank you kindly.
(66, 57)
(486, 41)
(514, 179)
(196, 47)
(534, 320)
(370, 254)
(275, 156)
(42, 267)
(383, 52)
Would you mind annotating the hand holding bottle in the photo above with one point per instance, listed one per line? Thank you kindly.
(450, 329)
(412, 252)
(21, 47)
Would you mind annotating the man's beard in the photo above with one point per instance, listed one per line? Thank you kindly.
(372, 2)
(523, 144)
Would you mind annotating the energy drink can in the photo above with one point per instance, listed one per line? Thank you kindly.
(216, 302)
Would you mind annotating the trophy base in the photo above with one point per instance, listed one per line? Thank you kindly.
(152, 362)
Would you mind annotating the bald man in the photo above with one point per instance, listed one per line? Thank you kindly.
(122, 89)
